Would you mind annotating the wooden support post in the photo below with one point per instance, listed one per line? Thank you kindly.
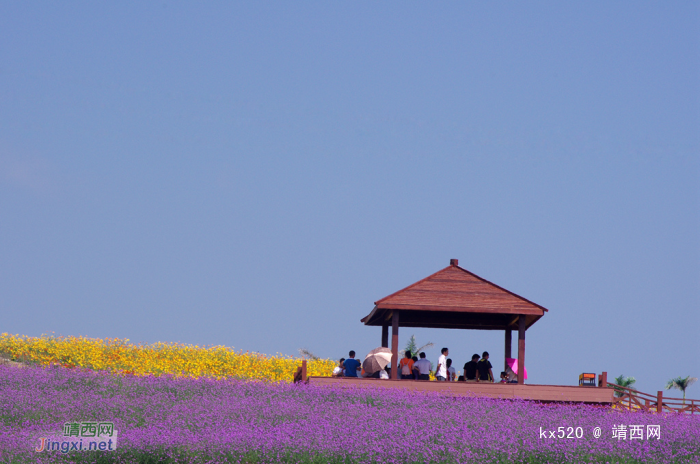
(385, 335)
(521, 350)
(303, 371)
(659, 401)
(394, 344)
(509, 338)
(603, 380)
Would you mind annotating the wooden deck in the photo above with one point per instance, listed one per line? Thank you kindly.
(543, 393)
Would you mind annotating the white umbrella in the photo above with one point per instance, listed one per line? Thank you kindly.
(376, 360)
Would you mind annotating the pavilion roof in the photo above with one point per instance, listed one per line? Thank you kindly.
(455, 298)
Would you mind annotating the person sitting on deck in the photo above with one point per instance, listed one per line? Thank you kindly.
(504, 377)
(471, 368)
(339, 370)
(406, 367)
(511, 376)
(423, 366)
(451, 373)
(415, 372)
(352, 365)
(485, 372)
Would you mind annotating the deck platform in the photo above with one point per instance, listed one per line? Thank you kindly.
(542, 393)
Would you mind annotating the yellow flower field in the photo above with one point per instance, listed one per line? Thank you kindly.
(120, 356)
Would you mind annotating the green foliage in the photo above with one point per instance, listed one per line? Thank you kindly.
(413, 347)
(623, 381)
(410, 346)
(680, 383)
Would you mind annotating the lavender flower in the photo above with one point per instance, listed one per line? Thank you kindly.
(164, 419)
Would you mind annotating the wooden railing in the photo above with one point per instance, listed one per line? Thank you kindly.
(634, 400)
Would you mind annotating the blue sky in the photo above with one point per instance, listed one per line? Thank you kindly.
(257, 175)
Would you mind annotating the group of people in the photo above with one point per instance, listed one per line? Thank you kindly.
(411, 367)
(480, 370)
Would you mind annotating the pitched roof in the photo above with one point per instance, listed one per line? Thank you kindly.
(438, 300)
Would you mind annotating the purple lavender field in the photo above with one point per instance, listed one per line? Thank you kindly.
(187, 420)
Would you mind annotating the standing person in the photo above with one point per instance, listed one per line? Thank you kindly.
(451, 373)
(441, 371)
(471, 368)
(423, 366)
(339, 371)
(485, 372)
(352, 365)
(406, 367)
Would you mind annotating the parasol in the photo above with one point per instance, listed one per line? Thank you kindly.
(513, 364)
(376, 360)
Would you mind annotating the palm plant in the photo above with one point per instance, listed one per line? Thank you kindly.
(413, 347)
(623, 382)
(680, 383)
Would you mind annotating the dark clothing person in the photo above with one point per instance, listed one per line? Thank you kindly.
(484, 366)
(470, 369)
(351, 366)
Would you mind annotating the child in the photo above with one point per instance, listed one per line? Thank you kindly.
(451, 373)
(504, 378)
(339, 370)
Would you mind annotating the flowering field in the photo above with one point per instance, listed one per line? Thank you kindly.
(176, 359)
(166, 419)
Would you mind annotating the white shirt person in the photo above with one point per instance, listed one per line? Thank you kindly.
(441, 371)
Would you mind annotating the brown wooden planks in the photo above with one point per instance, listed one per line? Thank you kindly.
(547, 393)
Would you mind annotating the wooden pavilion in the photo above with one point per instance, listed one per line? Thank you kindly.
(454, 298)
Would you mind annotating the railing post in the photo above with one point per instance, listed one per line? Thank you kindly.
(659, 401)
(603, 380)
(303, 371)
(629, 396)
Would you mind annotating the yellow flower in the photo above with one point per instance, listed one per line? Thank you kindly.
(176, 359)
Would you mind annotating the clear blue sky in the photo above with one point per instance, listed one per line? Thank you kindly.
(257, 175)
